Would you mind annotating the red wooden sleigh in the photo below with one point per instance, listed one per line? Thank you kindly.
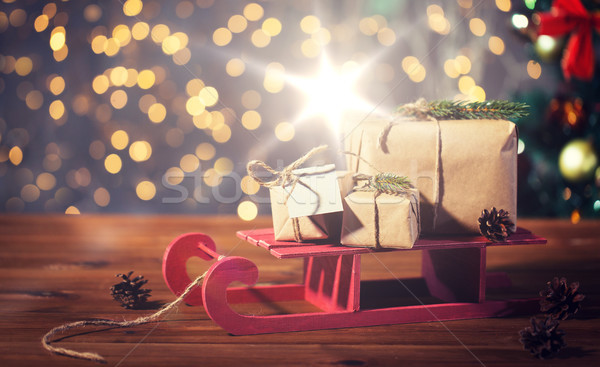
(453, 270)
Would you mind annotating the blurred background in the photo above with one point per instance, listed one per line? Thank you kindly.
(157, 106)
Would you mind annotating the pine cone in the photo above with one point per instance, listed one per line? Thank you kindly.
(129, 292)
(561, 301)
(542, 338)
(495, 225)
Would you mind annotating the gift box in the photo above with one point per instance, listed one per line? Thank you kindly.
(459, 167)
(305, 228)
(373, 219)
(311, 209)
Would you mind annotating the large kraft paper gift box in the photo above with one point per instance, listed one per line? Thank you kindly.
(460, 167)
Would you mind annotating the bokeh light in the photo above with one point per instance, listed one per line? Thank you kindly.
(496, 45)
(205, 151)
(145, 190)
(56, 109)
(247, 210)
(237, 23)
(57, 38)
(251, 120)
(222, 36)
(45, 181)
(503, 5)
(284, 131)
(209, 96)
(272, 26)
(72, 210)
(57, 85)
(15, 155)
(249, 185)
(534, 69)
(477, 26)
(184, 9)
(105, 101)
(118, 99)
(189, 163)
(140, 151)
(310, 24)
(30, 193)
(157, 113)
(34, 99)
(23, 66)
(260, 38)
(253, 11)
(41, 23)
(235, 67)
(102, 197)
(223, 166)
(92, 13)
(132, 7)
(119, 139)
(113, 163)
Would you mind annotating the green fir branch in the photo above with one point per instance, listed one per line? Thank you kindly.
(464, 110)
(389, 183)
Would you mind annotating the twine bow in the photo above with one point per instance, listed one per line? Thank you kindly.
(571, 17)
(284, 177)
(409, 111)
(419, 109)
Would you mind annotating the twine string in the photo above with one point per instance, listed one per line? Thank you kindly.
(284, 177)
(420, 109)
(362, 159)
(376, 192)
(412, 112)
(297, 231)
(438, 173)
(95, 357)
(367, 187)
(376, 218)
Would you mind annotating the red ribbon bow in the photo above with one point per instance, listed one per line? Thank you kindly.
(570, 16)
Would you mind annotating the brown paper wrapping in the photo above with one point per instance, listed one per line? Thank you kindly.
(310, 228)
(398, 219)
(477, 166)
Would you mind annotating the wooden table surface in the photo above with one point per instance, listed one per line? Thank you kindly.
(57, 269)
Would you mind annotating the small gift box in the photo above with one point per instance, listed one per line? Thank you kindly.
(306, 203)
(373, 219)
(310, 209)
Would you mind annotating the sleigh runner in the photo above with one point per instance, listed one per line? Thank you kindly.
(454, 270)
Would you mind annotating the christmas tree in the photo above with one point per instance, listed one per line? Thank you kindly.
(558, 167)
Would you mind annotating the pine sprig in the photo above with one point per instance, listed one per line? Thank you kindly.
(387, 183)
(464, 110)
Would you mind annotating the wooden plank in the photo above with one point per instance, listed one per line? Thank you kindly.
(316, 251)
(333, 283)
(266, 294)
(57, 268)
(455, 275)
(286, 250)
